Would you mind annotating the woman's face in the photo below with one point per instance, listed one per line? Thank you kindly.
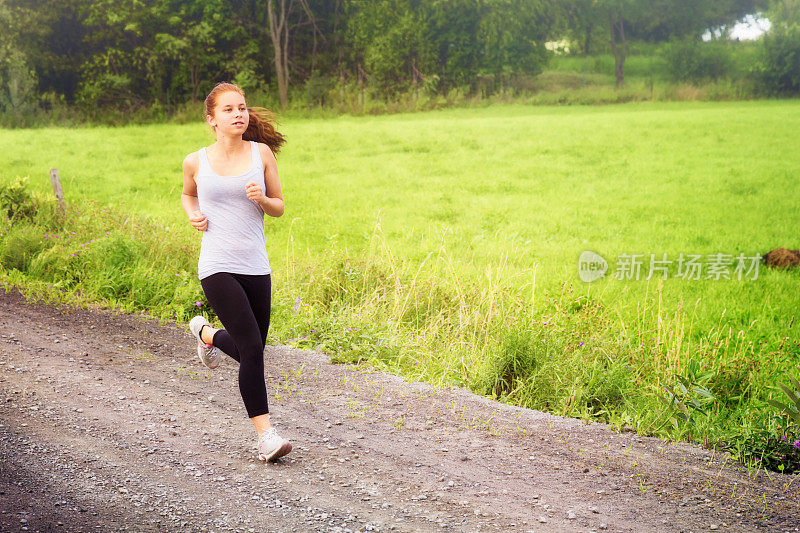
(230, 114)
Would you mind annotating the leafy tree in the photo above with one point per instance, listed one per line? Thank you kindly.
(18, 95)
(656, 20)
(783, 14)
(778, 66)
(17, 78)
(386, 36)
(274, 25)
(581, 23)
(400, 42)
(694, 61)
(155, 49)
(135, 52)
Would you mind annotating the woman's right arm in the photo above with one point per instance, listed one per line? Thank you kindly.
(189, 195)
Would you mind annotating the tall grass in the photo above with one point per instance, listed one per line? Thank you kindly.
(562, 352)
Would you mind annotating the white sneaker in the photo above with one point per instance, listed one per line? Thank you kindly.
(208, 354)
(271, 446)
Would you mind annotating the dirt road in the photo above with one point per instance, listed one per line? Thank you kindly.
(108, 422)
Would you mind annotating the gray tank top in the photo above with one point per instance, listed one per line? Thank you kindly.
(234, 239)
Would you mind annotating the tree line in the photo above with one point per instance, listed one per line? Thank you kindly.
(139, 52)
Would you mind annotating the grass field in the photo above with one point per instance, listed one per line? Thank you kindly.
(453, 236)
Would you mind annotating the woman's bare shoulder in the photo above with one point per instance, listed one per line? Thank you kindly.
(191, 162)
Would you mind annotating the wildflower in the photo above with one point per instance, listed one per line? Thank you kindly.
(297, 304)
(796, 443)
(783, 438)
(198, 304)
(108, 233)
(581, 343)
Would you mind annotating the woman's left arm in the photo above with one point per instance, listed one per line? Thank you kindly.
(272, 202)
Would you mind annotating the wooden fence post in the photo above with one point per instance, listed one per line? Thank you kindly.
(57, 187)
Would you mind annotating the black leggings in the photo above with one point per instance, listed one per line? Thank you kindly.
(242, 303)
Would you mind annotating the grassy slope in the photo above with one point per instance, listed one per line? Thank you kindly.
(496, 193)
(639, 178)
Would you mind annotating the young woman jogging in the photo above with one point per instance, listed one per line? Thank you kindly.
(227, 189)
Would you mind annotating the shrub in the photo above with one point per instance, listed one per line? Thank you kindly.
(778, 67)
(16, 201)
(604, 390)
(688, 398)
(695, 61)
(17, 89)
(516, 360)
(19, 246)
(774, 448)
(774, 440)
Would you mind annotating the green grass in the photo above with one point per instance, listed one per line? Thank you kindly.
(646, 61)
(444, 246)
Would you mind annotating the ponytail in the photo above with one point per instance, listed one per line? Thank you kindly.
(261, 129)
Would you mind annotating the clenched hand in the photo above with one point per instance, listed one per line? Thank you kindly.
(254, 192)
(198, 221)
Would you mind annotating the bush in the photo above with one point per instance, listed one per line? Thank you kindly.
(20, 245)
(694, 61)
(773, 442)
(16, 201)
(317, 88)
(775, 448)
(107, 90)
(778, 67)
(17, 90)
(516, 360)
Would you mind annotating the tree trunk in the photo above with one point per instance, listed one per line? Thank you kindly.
(194, 79)
(587, 41)
(618, 49)
(279, 32)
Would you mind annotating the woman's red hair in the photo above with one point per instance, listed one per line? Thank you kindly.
(261, 125)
